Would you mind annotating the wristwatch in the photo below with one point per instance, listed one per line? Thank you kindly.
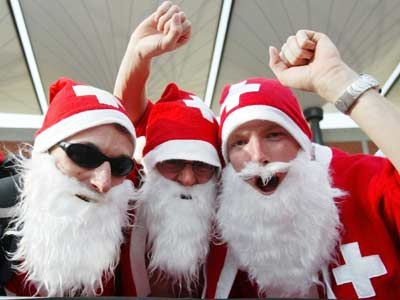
(354, 91)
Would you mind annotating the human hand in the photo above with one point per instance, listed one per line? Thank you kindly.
(165, 30)
(311, 62)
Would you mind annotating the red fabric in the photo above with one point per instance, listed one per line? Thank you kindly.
(126, 283)
(271, 93)
(370, 215)
(172, 119)
(19, 287)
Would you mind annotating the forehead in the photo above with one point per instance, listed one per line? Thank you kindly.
(108, 138)
(257, 126)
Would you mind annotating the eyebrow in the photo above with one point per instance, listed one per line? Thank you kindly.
(267, 128)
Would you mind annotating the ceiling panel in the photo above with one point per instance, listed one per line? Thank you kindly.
(366, 32)
(86, 40)
(16, 90)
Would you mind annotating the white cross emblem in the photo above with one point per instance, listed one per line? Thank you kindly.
(358, 270)
(199, 104)
(235, 91)
(103, 97)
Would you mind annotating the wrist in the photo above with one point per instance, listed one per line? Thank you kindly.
(336, 80)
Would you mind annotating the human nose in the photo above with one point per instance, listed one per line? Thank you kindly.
(186, 176)
(258, 152)
(101, 178)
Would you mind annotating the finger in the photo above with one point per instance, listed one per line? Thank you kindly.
(276, 64)
(186, 33)
(284, 59)
(186, 27)
(297, 52)
(183, 20)
(182, 16)
(161, 10)
(305, 39)
(167, 16)
(174, 32)
(286, 53)
(167, 26)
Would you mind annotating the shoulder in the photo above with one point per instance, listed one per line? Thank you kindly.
(351, 171)
(362, 165)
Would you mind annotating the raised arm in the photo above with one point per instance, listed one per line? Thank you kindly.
(165, 30)
(310, 61)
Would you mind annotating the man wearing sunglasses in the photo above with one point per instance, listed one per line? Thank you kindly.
(170, 240)
(73, 196)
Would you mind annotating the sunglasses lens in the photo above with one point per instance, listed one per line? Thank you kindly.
(121, 166)
(172, 165)
(84, 155)
(87, 156)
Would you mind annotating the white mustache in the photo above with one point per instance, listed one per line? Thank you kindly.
(266, 172)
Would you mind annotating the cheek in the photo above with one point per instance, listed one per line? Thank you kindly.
(169, 176)
(238, 159)
(284, 151)
(70, 169)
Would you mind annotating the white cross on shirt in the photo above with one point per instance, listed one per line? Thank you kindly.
(235, 91)
(103, 97)
(358, 270)
(199, 104)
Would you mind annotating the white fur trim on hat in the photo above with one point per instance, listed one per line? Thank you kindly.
(78, 122)
(182, 149)
(140, 143)
(267, 113)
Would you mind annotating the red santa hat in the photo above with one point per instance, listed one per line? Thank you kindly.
(75, 107)
(181, 126)
(262, 99)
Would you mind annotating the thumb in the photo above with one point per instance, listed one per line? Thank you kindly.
(275, 62)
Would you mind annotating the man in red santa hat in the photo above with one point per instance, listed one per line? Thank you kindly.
(299, 219)
(73, 196)
(169, 243)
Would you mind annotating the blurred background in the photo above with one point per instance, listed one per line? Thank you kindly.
(42, 40)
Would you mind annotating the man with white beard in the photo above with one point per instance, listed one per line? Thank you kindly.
(300, 219)
(73, 196)
(169, 242)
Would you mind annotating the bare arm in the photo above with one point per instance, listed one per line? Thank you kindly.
(165, 30)
(311, 62)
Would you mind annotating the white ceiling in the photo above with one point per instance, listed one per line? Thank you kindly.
(86, 39)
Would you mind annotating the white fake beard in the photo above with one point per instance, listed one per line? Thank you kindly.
(179, 230)
(67, 246)
(284, 239)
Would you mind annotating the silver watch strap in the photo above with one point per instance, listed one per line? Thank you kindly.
(354, 91)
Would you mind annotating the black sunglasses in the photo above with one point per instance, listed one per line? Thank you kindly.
(199, 168)
(89, 156)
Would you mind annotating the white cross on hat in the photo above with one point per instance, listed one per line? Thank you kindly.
(103, 97)
(235, 91)
(199, 104)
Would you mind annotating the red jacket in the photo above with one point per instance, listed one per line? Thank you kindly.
(369, 252)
